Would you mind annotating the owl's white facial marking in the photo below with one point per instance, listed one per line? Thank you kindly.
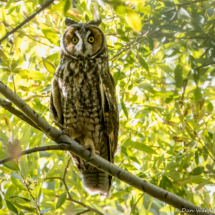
(83, 42)
(83, 47)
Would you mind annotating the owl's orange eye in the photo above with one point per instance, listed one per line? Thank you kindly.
(74, 39)
(91, 39)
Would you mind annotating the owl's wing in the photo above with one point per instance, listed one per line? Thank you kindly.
(55, 102)
(110, 110)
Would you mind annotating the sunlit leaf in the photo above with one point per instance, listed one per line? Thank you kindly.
(61, 200)
(11, 207)
(49, 66)
(134, 21)
(50, 35)
(24, 165)
(3, 30)
(142, 147)
(143, 63)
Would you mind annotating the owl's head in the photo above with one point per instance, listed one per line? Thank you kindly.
(83, 40)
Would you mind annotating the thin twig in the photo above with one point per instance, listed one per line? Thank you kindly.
(8, 106)
(35, 40)
(27, 20)
(37, 208)
(70, 198)
(135, 41)
(65, 172)
(62, 147)
(29, 36)
(136, 204)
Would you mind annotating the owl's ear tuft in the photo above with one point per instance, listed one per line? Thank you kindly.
(97, 21)
(69, 22)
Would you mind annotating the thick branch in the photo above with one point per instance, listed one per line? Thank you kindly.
(98, 161)
(27, 20)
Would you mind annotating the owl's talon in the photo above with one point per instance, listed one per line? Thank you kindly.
(88, 144)
(59, 125)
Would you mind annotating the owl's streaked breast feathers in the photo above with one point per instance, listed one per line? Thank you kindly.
(83, 98)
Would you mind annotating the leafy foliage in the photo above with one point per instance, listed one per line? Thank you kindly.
(162, 59)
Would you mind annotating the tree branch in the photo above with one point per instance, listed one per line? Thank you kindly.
(135, 204)
(8, 106)
(98, 161)
(65, 172)
(27, 20)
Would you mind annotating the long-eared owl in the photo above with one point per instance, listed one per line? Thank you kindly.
(83, 99)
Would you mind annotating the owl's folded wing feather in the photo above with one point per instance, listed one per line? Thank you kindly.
(110, 110)
(55, 102)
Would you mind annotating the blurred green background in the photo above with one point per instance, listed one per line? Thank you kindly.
(162, 60)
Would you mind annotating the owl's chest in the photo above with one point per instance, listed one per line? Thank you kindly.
(81, 99)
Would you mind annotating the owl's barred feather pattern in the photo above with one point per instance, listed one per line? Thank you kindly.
(83, 100)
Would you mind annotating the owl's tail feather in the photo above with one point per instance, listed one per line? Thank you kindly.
(97, 183)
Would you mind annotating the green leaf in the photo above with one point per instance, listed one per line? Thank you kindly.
(19, 199)
(160, 161)
(141, 147)
(17, 183)
(48, 192)
(197, 94)
(1, 202)
(29, 209)
(210, 107)
(134, 21)
(61, 200)
(143, 63)
(50, 35)
(49, 66)
(11, 207)
(4, 57)
(213, 146)
(10, 191)
(124, 108)
(62, 7)
(32, 75)
(197, 171)
(178, 76)
(172, 27)
(24, 165)
(192, 180)
(3, 31)
(146, 86)
(124, 38)
(200, 186)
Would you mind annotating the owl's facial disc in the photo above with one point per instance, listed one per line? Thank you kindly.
(83, 42)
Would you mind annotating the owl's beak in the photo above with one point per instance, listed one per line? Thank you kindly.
(83, 48)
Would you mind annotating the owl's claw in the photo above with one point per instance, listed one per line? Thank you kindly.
(88, 144)
(59, 125)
